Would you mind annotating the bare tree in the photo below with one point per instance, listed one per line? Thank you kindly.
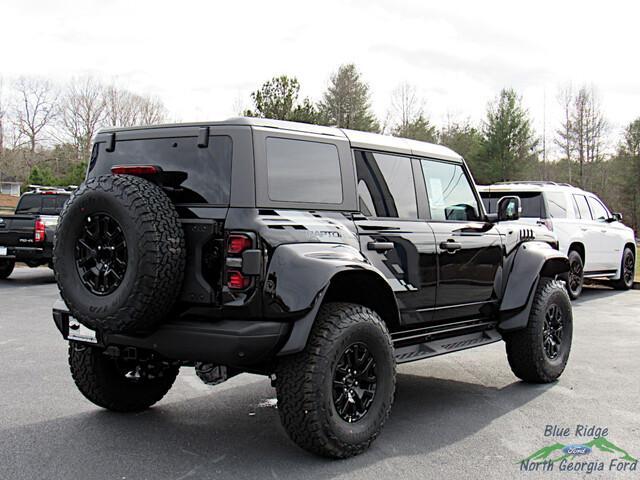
(583, 131)
(2, 116)
(564, 133)
(35, 109)
(82, 113)
(588, 131)
(149, 110)
(407, 115)
(125, 109)
(406, 106)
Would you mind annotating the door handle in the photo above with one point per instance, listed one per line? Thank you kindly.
(380, 246)
(450, 246)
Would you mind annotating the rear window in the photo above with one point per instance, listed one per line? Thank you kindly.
(39, 204)
(196, 174)
(303, 171)
(532, 203)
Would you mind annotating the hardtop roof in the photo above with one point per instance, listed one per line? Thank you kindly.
(372, 141)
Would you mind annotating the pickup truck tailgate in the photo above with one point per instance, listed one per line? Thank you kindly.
(17, 230)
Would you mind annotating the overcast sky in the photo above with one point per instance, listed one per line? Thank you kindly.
(203, 58)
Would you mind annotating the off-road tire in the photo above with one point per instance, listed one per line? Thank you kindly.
(525, 350)
(6, 267)
(621, 283)
(155, 249)
(575, 259)
(100, 381)
(304, 382)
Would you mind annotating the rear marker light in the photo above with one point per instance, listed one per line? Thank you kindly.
(40, 232)
(238, 244)
(236, 280)
(134, 169)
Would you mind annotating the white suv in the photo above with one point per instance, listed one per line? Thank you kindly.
(597, 243)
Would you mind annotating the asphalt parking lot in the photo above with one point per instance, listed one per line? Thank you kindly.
(459, 416)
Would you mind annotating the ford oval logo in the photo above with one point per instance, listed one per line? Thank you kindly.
(576, 449)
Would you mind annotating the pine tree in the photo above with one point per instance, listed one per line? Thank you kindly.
(346, 103)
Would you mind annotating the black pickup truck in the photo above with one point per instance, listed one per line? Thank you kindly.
(27, 236)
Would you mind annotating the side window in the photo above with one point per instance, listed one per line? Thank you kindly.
(303, 171)
(583, 207)
(450, 194)
(385, 185)
(599, 211)
(556, 205)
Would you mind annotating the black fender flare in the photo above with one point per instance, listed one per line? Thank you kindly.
(530, 261)
(297, 280)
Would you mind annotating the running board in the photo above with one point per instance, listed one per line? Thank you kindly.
(433, 348)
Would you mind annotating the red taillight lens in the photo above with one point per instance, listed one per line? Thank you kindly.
(135, 169)
(236, 280)
(238, 243)
(40, 232)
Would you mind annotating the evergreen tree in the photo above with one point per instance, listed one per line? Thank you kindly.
(467, 140)
(278, 99)
(509, 143)
(346, 103)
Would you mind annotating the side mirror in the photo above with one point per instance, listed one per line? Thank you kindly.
(508, 208)
(616, 217)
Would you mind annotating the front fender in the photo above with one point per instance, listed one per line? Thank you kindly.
(529, 262)
(297, 278)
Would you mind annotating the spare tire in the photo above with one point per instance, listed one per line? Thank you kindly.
(119, 254)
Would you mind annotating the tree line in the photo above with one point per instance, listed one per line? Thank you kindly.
(46, 132)
(503, 146)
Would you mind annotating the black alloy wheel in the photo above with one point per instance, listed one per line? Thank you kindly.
(628, 269)
(552, 331)
(354, 383)
(575, 276)
(101, 254)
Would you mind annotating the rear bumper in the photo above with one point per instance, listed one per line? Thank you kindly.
(29, 254)
(224, 342)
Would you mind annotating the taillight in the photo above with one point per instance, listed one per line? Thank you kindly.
(40, 231)
(238, 243)
(135, 169)
(236, 280)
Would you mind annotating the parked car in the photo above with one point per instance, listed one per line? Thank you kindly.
(318, 256)
(596, 241)
(27, 235)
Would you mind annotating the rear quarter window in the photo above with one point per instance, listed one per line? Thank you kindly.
(303, 171)
(556, 205)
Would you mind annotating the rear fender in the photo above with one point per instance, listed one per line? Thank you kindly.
(529, 262)
(297, 279)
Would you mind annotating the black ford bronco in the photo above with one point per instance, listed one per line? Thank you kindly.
(317, 256)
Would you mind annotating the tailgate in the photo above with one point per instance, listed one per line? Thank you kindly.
(17, 230)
